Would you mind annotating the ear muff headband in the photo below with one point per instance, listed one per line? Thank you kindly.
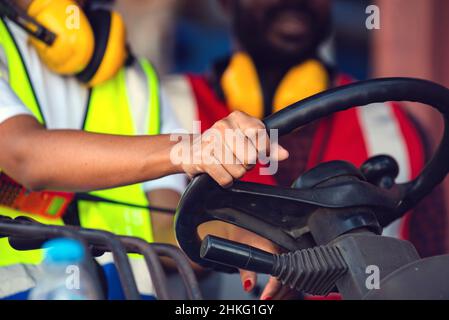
(90, 45)
(110, 47)
(241, 86)
(73, 47)
(24, 21)
(100, 21)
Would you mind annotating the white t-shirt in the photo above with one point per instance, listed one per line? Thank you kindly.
(63, 101)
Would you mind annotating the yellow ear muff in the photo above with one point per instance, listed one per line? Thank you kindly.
(110, 47)
(302, 81)
(241, 86)
(74, 44)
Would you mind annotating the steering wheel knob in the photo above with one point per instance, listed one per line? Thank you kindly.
(381, 171)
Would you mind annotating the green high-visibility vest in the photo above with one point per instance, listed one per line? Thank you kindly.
(108, 112)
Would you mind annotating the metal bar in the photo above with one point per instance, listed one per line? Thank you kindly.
(150, 253)
(184, 267)
(154, 265)
(98, 237)
(17, 228)
(134, 245)
(110, 241)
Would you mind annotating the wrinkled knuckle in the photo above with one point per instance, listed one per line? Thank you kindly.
(257, 123)
(237, 114)
(222, 125)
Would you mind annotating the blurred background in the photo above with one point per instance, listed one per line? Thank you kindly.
(188, 35)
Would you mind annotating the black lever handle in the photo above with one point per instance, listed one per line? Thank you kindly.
(381, 170)
(236, 254)
(313, 271)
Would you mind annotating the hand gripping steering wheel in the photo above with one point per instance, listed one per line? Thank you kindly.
(283, 215)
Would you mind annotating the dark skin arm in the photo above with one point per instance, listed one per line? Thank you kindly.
(72, 160)
(79, 161)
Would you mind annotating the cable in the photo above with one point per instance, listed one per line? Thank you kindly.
(27, 23)
(89, 197)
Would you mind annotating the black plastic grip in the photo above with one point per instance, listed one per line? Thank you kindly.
(237, 255)
(312, 271)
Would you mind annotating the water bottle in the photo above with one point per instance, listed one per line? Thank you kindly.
(64, 277)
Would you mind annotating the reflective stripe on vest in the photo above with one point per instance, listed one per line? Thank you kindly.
(119, 219)
(18, 75)
(108, 112)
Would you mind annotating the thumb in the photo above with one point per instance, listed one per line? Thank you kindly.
(278, 153)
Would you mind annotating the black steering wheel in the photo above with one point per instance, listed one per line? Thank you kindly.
(282, 214)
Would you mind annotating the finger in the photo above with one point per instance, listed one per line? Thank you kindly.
(278, 153)
(285, 294)
(252, 128)
(236, 171)
(245, 121)
(219, 173)
(260, 141)
(233, 165)
(267, 147)
(248, 279)
(224, 145)
(271, 289)
(243, 149)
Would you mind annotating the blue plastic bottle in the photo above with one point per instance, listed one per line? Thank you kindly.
(64, 277)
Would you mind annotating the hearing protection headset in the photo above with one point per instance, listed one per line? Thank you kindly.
(242, 90)
(73, 41)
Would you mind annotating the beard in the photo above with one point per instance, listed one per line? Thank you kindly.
(253, 34)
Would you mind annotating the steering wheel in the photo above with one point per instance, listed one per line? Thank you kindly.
(282, 215)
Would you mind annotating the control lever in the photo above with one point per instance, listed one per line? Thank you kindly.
(312, 271)
(238, 255)
(381, 170)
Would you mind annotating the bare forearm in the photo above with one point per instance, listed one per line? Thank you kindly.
(78, 161)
